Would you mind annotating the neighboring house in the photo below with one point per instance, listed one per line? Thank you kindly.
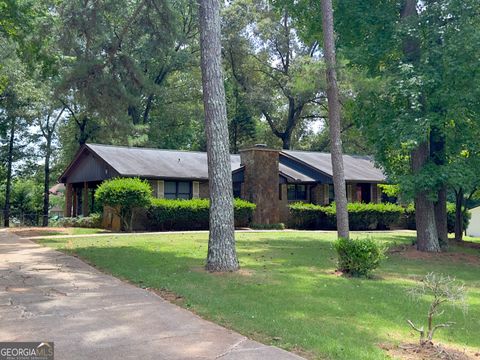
(473, 228)
(56, 191)
(270, 178)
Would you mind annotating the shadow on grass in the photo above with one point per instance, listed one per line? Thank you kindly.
(288, 293)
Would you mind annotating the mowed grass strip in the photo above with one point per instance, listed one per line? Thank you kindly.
(287, 292)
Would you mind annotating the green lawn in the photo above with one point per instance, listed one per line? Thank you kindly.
(86, 231)
(287, 293)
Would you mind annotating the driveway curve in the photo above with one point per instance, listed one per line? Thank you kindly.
(46, 295)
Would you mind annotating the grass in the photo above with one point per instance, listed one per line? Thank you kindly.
(286, 293)
(85, 231)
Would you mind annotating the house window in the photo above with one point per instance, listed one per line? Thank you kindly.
(178, 190)
(331, 193)
(296, 192)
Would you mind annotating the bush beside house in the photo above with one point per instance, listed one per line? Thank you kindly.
(124, 196)
(129, 197)
(361, 216)
(192, 214)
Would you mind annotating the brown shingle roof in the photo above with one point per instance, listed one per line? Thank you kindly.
(156, 163)
(357, 168)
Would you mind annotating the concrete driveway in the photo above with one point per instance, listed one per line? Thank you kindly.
(48, 296)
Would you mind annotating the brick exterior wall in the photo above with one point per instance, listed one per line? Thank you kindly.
(283, 204)
(261, 183)
(203, 191)
(319, 194)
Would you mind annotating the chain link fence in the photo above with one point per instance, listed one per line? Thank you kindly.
(25, 219)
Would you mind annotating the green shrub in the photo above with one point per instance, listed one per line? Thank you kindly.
(243, 212)
(309, 216)
(361, 216)
(191, 214)
(374, 216)
(278, 226)
(410, 218)
(124, 195)
(358, 257)
(93, 221)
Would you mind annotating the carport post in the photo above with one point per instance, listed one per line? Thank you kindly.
(68, 200)
(85, 199)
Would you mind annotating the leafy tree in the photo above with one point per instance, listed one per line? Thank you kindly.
(26, 200)
(277, 71)
(222, 254)
(242, 124)
(48, 122)
(435, 86)
(123, 196)
(415, 81)
(126, 54)
(15, 136)
(463, 158)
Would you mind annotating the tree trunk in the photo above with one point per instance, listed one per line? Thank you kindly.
(334, 120)
(427, 235)
(286, 139)
(222, 255)
(438, 155)
(440, 209)
(8, 185)
(46, 182)
(459, 215)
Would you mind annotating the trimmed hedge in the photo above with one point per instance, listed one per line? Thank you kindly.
(361, 216)
(192, 214)
(410, 218)
(277, 226)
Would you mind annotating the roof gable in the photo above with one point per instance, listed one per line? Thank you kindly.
(157, 163)
(357, 168)
(86, 166)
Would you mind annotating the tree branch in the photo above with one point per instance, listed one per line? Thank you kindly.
(271, 123)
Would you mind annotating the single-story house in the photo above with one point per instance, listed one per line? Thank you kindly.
(57, 190)
(270, 178)
(473, 228)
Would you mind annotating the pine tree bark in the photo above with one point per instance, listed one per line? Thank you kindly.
(334, 120)
(427, 235)
(8, 185)
(221, 243)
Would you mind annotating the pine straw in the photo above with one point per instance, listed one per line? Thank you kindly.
(410, 252)
(428, 351)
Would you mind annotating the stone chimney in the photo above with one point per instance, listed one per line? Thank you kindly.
(261, 184)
